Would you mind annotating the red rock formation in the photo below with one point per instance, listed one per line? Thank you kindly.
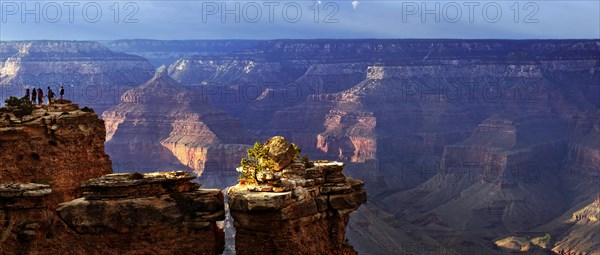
(25, 217)
(309, 217)
(158, 213)
(59, 145)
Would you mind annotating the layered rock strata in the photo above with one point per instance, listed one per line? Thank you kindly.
(25, 217)
(157, 213)
(308, 215)
(60, 145)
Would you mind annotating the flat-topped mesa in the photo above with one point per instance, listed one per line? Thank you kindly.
(158, 213)
(60, 145)
(453, 69)
(301, 209)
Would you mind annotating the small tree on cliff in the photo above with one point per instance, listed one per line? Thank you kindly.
(22, 106)
(264, 158)
(256, 162)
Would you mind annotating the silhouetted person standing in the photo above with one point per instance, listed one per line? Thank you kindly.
(40, 95)
(33, 96)
(50, 95)
(62, 92)
(27, 95)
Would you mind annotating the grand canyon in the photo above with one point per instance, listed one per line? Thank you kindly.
(464, 146)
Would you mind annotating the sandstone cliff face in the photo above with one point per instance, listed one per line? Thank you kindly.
(584, 153)
(58, 145)
(25, 216)
(580, 237)
(90, 73)
(509, 175)
(63, 146)
(310, 218)
(157, 213)
(161, 124)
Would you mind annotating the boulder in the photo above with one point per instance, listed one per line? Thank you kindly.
(281, 151)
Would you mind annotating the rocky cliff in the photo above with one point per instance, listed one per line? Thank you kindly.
(60, 145)
(25, 214)
(91, 73)
(57, 195)
(294, 206)
(158, 213)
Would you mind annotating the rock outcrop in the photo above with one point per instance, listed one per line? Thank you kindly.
(581, 234)
(25, 216)
(157, 213)
(308, 216)
(61, 146)
(57, 144)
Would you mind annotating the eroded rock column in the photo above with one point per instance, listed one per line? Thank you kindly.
(308, 216)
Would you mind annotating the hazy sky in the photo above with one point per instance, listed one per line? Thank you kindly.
(118, 19)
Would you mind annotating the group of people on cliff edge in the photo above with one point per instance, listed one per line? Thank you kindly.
(37, 95)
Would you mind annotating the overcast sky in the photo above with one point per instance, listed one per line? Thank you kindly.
(117, 19)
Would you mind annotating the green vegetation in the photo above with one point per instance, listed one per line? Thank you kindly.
(12, 102)
(136, 176)
(23, 107)
(298, 150)
(87, 109)
(256, 162)
(307, 162)
(542, 241)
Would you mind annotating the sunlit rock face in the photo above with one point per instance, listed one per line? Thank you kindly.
(57, 195)
(60, 145)
(302, 208)
(161, 124)
(91, 74)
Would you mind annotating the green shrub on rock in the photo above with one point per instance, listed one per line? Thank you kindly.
(270, 157)
(23, 107)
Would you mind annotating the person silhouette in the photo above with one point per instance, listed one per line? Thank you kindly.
(33, 96)
(40, 95)
(50, 95)
(27, 95)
